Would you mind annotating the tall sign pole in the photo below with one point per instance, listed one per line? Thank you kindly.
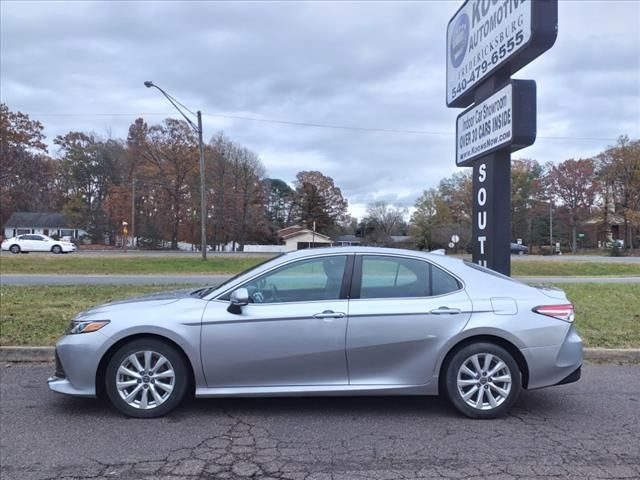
(487, 41)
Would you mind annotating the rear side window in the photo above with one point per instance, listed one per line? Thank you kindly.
(442, 282)
(395, 277)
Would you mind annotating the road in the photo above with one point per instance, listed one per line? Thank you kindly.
(187, 254)
(169, 279)
(113, 279)
(584, 430)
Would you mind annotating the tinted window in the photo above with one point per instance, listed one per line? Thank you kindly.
(393, 277)
(306, 280)
(442, 282)
(37, 237)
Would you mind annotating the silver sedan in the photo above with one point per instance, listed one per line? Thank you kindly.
(334, 321)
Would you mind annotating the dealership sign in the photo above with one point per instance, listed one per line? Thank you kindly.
(506, 118)
(487, 41)
(485, 36)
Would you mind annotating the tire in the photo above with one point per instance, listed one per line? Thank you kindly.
(14, 248)
(129, 398)
(57, 249)
(464, 390)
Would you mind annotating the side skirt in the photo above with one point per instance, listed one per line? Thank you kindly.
(316, 390)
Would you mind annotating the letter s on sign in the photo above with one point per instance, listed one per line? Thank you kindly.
(482, 172)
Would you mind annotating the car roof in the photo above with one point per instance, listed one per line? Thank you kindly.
(312, 252)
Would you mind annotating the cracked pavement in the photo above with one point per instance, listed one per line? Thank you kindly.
(590, 429)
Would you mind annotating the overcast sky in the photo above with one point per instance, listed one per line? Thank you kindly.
(378, 65)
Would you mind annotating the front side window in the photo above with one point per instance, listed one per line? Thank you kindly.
(395, 277)
(303, 281)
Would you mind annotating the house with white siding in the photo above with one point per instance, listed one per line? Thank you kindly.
(22, 223)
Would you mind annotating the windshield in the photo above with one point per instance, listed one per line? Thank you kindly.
(206, 291)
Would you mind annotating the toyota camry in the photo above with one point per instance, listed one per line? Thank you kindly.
(331, 321)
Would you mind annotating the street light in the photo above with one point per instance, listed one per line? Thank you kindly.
(198, 129)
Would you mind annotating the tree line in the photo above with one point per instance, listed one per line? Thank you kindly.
(151, 181)
(599, 195)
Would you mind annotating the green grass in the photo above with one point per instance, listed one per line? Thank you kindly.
(71, 264)
(607, 315)
(170, 264)
(38, 315)
(552, 268)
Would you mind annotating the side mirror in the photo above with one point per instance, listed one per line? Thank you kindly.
(239, 298)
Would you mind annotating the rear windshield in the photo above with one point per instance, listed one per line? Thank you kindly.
(475, 266)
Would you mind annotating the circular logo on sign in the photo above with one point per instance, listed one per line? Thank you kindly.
(459, 40)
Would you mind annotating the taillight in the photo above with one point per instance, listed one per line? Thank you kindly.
(561, 312)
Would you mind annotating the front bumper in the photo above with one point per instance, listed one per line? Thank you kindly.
(63, 385)
(77, 360)
(557, 364)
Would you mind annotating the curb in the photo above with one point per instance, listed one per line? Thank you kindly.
(27, 354)
(46, 354)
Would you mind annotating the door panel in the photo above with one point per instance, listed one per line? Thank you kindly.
(402, 312)
(396, 341)
(27, 244)
(38, 244)
(292, 333)
(274, 345)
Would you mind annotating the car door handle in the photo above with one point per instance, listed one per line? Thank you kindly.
(445, 311)
(329, 314)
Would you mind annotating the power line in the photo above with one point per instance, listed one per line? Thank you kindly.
(297, 124)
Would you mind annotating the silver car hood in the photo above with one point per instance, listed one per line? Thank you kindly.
(143, 302)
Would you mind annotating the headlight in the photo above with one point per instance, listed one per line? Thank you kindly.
(86, 327)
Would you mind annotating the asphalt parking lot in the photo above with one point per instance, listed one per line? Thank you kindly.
(590, 429)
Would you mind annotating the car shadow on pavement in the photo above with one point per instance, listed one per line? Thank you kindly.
(529, 403)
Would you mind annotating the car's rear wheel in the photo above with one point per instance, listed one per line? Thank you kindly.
(14, 249)
(56, 249)
(483, 380)
(146, 378)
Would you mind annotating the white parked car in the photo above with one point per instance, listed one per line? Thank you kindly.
(37, 243)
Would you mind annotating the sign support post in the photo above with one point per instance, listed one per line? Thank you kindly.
(491, 227)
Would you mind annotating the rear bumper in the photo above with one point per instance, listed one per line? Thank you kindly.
(573, 377)
(557, 364)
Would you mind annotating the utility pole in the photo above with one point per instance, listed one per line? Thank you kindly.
(198, 129)
(551, 225)
(133, 212)
(203, 193)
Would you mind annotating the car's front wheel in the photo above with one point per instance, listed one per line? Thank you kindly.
(56, 249)
(483, 380)
(146, 378)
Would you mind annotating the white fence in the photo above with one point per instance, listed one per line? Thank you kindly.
(265, 248)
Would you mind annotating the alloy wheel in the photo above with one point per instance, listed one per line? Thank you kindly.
(484, 381)
(145, 379)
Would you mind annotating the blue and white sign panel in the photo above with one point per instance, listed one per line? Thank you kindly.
(481, 37)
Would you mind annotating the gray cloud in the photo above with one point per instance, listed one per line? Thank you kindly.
(368, 64)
